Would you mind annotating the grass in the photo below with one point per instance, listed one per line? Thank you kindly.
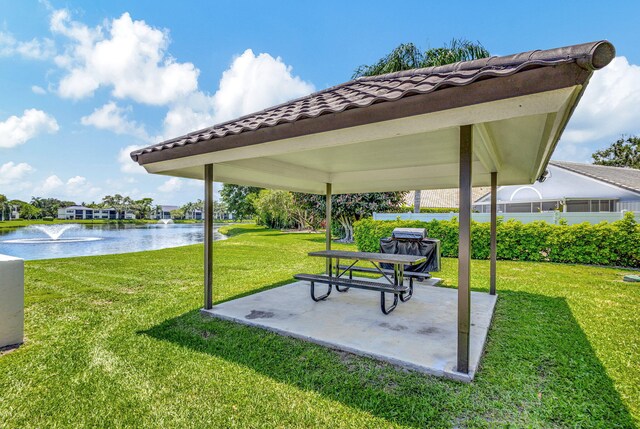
(115, 341)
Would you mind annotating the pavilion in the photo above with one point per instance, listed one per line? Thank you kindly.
(487, 122)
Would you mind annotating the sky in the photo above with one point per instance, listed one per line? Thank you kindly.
(84, 83)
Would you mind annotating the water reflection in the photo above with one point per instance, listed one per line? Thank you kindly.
(99, 239)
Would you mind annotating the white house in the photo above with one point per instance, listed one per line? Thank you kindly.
(163, 212)
(195, 214)
(84, 213)
(14, 212)
(571, 187)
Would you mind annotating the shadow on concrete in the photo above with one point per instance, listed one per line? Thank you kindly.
(539, 370)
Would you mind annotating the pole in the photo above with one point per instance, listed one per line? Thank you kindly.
(328, 226)
(464, 249)
(208, 236)
(494, 233)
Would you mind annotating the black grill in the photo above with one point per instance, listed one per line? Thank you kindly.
(413, 241)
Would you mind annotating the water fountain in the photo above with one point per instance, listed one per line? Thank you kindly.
(165, 221)
(53, 235)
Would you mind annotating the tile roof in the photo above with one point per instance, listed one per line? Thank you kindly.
(366, 91)
(627, 178)
(444, 198)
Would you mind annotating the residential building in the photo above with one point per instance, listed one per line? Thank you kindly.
(442, 198)
(163, 212)
(194, 214)
(571, 187)
(86, 213)
(14, 212)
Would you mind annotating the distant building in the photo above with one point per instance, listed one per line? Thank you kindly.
(571, 187)
(14, 212)
(194, 214)
(163, 212)
(442, 198)
(87, 213)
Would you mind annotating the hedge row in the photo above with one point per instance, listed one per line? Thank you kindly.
(616, 243)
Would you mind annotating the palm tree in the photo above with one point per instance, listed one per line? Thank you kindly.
(407, 56)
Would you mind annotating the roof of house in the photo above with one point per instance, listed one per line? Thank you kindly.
(627, 178)
(444, 198)
(75, 208)
(367, 91)
(168, 208)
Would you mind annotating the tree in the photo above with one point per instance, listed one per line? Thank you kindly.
(407, 56)
(49, 206)
(348, 208)
(274, 207)
(177, 214)
(26, 210)
(118, 202)
(624, 152)
(143, 208)
(240, 200)
(5, 208)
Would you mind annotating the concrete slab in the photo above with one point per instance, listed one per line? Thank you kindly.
(420, 334)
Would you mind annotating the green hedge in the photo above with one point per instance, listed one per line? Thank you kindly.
(615, 243)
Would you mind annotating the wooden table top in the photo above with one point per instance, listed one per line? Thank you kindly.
(386, 258)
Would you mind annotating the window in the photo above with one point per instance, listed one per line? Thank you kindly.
(550, 206)
(578, 206)
(607, 205)
(519, 208)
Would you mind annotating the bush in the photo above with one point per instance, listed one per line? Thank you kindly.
(48, 218)
(605, 243)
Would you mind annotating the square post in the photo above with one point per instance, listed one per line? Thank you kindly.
(464, 249)
(328, 226)
(494, 231)
(208, 236)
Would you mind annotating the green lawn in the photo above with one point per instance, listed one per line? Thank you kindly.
(115, 341)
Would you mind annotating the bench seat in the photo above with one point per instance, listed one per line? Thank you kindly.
(409, 274)
(397, 291)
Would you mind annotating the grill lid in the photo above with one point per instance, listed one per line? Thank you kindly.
(409, 233)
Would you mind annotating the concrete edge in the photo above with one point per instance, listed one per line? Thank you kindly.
(452, 375)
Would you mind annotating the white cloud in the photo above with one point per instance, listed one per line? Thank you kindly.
(251, 83)
(172, 185)
(18, 130)
(128, 56)
(254, 82)
(38, 90)
(609, 107)
(127, 165)
(76, 188)
(12, 174)
(34, 49)
(50, 184)
(114, 118)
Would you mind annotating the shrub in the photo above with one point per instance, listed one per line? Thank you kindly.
(48, 218)
(613, 243)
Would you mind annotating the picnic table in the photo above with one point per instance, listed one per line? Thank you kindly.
(394, 285)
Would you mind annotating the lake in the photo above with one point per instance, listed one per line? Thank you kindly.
(67, 240)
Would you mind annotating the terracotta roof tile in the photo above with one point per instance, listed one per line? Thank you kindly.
(365, 91)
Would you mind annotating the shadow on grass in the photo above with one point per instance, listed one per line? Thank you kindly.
(539, 370)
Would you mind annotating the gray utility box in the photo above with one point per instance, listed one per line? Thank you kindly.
(11, 301)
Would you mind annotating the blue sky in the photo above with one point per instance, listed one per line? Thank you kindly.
(82, 83)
